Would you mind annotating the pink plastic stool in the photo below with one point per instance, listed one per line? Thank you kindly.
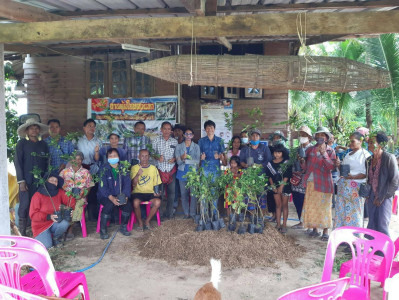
(83, 222)
(133, 216)
(99, 218)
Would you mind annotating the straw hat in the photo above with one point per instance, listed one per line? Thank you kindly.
(306, 130)
(22, 129)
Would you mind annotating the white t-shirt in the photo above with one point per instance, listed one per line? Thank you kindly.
(357, 163)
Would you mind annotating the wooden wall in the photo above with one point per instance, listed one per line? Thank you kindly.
(274, 104)
(56, 89)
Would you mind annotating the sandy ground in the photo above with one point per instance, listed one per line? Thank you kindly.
(131, 276)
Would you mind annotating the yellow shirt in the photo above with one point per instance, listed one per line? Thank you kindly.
(147, 180)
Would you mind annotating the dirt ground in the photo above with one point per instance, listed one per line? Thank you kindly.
(123, 274)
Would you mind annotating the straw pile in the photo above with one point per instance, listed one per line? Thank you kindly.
(331, 74)
(176, 240)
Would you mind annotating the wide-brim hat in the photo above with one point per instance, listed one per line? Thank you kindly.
(256, 130)
(22, 129)
(306, 130)
(325, 130)
(279, 133)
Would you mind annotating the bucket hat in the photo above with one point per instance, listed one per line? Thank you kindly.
(22, 129)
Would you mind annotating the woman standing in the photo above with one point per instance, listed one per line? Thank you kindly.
(187, 155)
(384, 180)
(349, 205)
(320, 160)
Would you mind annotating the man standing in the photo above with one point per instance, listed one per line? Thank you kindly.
(146, 187)
(134, 144)
(58, 146)
(164, 147)
(90, 145)
(30, 153)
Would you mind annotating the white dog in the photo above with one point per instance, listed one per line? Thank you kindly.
(209, 291)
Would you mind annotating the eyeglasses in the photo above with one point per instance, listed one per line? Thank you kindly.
(188, 134)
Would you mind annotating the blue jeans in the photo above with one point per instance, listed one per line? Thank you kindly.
(188, 208)
(54, 232)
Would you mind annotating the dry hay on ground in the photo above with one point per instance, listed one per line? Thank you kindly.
(176, 240)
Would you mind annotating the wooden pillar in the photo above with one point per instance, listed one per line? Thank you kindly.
(4, 202)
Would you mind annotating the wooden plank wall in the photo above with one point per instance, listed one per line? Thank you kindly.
(56, 89)
(274, 104)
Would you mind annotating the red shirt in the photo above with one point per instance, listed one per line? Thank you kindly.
(320, 166)
(41, 206)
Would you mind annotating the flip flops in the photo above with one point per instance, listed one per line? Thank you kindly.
(297, 226)
(283, 230)
(147, 227)
(314, 234)
(140, 229)
(325, 237)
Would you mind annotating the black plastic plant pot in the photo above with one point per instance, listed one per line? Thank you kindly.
(67, 214)
(197, 218)
(251, 228)
(232, 226)
(258, 229)
(121, 199)
(221, 223)
(59, 215)
(344, 170)
(241, 229)
(76, 191)
(215, 217)
(241, 217)
(232, 218)
(208, 226)
(200, 227)
(215, 225)
(252, 218)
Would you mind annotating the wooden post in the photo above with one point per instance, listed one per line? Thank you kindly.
(4, 202)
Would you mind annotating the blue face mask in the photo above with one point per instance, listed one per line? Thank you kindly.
(113, 161)
(255, 143)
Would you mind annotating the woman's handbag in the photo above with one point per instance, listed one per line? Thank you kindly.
(296, 178)
(365, 188)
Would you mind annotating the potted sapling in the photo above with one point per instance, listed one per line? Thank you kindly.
(194, 177)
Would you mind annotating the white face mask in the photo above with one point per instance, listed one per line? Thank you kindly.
(303, 140)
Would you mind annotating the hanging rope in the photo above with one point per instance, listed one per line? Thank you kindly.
(302, 40)
(191, 56)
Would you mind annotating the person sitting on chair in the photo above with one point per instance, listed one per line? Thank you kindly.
(114, 190)
(146, 187)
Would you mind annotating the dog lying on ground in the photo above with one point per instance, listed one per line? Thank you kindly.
(209, 291)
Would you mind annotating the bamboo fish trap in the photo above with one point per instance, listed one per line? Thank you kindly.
(312, 73)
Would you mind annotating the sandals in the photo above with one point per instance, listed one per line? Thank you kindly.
(325, 237)
(314, 234)
(147, 227)
(272, 220)
(283, 230)
(140, 229)
(297, 226)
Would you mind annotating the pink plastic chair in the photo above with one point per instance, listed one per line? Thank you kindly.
(376, 272)
(16, 251)
(328, 290)
(99, 218)
(133, 216)
(363, 251)
(7, 293)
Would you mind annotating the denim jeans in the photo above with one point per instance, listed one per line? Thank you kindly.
(188, 208)
(54, 232)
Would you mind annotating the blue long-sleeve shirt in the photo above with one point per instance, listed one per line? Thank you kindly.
(211, 165)
(108, 185)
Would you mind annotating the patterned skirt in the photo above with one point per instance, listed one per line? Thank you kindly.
(316, 212)
(348, 206)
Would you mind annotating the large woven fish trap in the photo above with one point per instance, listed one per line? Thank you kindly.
(311, 73)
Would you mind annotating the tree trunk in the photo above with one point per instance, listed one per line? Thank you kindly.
(369, 118)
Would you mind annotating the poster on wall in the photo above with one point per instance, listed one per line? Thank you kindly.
(215, 111)
(120, 114)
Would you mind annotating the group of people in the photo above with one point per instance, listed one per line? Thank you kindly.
(111, 176)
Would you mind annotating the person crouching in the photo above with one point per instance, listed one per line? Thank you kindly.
(113, 191)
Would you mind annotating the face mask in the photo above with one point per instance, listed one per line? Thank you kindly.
(303, 140)
(113, 161)
(278, 142)
(244, 140)
(255, 143)
(320, 141)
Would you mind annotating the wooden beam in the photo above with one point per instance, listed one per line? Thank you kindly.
(28, 49)
(309, 6)
(141, 43)
(25, 13)
(260, 25)
(211, 7)
(223, 41)
(124, 12)
(196, 7)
